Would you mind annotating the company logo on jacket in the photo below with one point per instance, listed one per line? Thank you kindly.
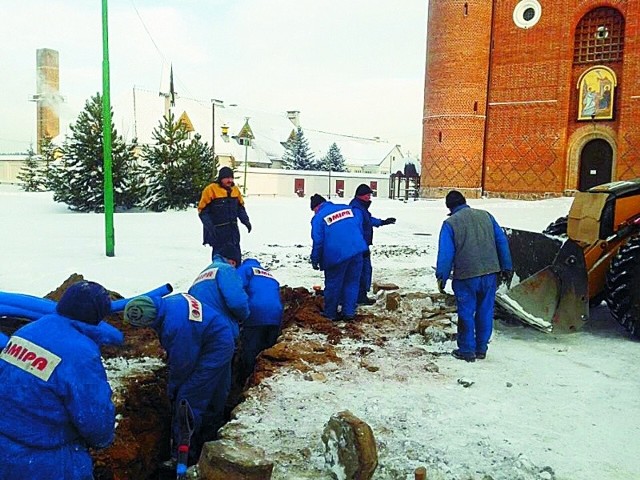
(208, 274)
(337, 216)
(262, 273)
(195, 308)
(30, 357)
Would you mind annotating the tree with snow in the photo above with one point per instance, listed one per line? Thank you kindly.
(77, 178)
(175, 169)
(35, 173)
(31, 173)
(297, 155)
(333, 161)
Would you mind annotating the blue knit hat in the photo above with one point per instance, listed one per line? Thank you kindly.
(85, 301)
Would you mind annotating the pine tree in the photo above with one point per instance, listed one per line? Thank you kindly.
(297, 155)
(31, 172)
(176, 169)
(48, 152)
(333, 161)
(78, 177)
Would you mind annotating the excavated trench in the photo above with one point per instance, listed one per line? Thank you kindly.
(137, 375)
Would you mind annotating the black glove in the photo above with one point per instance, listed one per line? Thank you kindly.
(248, 225)
(441, 284)
(315, 265)
(506, 276)
(389, 221)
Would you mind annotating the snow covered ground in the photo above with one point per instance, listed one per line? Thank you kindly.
(541, 406)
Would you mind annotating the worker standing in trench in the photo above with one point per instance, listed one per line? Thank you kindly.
(260, 331)
(199, 343)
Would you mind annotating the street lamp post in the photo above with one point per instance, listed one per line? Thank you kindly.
(244, 138)
(214, 103)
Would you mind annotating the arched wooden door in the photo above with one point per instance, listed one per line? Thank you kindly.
(596, 160)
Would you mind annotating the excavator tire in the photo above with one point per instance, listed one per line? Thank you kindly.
(558, 227)
(623, 286)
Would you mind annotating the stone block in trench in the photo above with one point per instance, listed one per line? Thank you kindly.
(350, 447)
(393, 301)
(229, 460)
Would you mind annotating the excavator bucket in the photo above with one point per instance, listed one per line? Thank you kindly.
(531, 252)
(556, 297)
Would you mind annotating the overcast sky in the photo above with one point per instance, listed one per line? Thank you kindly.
(350, 66)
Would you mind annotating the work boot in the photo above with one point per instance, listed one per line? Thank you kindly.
(367, 301)
(481, 355)
(170, 464)
(345, 318)
(467, 357)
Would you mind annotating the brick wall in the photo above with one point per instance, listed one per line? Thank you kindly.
(531, 123)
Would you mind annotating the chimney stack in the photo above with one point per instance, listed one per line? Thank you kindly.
(47, 94)
(294, 116)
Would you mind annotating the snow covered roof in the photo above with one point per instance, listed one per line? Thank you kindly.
(356, 150)
(138, 112)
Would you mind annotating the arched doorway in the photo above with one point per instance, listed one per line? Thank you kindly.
(596, 160)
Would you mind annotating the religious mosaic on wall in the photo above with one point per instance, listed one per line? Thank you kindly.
(596, 87)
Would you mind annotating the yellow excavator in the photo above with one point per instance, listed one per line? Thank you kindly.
(578, 261)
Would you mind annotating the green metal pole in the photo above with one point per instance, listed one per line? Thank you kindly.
(244, 183)
(106, 137)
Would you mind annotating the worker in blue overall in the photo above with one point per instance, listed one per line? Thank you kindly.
(220, 287)
(56, 401)
(199, 343)
(260, 331)
(338, 245)
(362, 201)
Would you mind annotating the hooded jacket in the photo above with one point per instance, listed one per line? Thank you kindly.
(56, 401)
(220, 287)
(264, 294)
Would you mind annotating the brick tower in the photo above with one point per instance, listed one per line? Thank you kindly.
(558, 101)
(459, 35)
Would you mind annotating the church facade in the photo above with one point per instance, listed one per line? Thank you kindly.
(530, 98)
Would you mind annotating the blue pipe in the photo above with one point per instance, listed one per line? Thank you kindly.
(28, 306)
(118, 305)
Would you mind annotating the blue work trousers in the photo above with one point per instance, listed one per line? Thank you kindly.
(365, 277)
(254, 340)
(207, 405)
(341, 285)
(475, 298)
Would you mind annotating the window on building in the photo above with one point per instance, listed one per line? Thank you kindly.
(599, 37)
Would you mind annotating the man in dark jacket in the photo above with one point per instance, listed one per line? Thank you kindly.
(260, 331)
(56, 401)
(221, 206)
(338, 245)
(199, 343)
(472, 242)
(362, 201)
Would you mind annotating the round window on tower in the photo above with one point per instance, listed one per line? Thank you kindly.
(527, 13)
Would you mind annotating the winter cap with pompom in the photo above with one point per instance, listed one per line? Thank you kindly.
(88, 302)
